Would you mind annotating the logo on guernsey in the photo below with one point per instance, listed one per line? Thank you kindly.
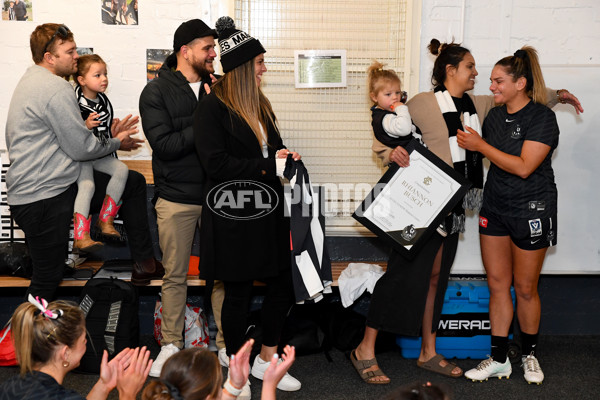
(483, 222)
(233, 41)
(516, 132)
(535, 227)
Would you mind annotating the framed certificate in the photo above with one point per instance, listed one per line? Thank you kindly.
(407, 204)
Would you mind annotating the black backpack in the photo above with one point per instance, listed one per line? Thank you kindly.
(15, 260)
(112, 320)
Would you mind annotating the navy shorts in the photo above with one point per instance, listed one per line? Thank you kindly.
(526, 234)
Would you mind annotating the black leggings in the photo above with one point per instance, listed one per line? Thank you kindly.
(276, 305)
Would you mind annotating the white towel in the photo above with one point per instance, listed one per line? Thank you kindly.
(357, 278)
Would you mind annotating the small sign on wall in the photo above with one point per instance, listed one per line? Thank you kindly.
(320, 68)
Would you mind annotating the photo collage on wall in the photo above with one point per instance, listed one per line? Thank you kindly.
(114, 12)
(120, 12)
(17, 10)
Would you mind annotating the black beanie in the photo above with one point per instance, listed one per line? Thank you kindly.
(237, 47)
(190, 30)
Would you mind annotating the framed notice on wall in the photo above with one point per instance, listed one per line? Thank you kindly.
(320, 68)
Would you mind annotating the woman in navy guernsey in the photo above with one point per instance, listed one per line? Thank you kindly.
(517, 222)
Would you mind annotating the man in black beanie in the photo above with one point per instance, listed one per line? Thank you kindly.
(167, 105)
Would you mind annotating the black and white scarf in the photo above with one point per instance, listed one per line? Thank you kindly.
(467, 163)
(105, 114)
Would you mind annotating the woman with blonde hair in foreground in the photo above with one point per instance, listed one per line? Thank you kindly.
(50, 340)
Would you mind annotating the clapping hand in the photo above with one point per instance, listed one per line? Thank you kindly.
(109, 372)
(124, 129)
(132, 373)
(276, 371)
(239, 365)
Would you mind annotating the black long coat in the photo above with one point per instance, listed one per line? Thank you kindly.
(236, 249)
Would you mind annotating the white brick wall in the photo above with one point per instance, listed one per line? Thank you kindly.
(564, 32)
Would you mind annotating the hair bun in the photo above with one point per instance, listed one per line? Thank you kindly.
(435, 47)
(223, 24)
(520, 54)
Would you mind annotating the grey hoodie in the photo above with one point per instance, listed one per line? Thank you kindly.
(46, 138)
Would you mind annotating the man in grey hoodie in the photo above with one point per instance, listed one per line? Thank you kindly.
(46, 139)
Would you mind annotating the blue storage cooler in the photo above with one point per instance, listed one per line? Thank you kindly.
(464, 330)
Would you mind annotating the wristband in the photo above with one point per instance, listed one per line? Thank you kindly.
(558, 96)
(232, 390)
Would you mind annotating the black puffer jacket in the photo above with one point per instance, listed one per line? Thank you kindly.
(167, 106)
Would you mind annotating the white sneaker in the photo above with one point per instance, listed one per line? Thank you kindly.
(223, 359)
(532, 370)
(165, 352)
(489, 369)
(288, 383)
(246, 392)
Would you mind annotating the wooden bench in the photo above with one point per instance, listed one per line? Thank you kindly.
(144, 167)
(192, 280)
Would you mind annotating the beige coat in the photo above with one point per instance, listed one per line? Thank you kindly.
(426, 114)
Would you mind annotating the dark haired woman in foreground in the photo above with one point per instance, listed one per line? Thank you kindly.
(195, 374)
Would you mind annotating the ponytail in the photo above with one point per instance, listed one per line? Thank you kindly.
(524, 63)
(378, 76)
(157, 390)
(36, 336)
